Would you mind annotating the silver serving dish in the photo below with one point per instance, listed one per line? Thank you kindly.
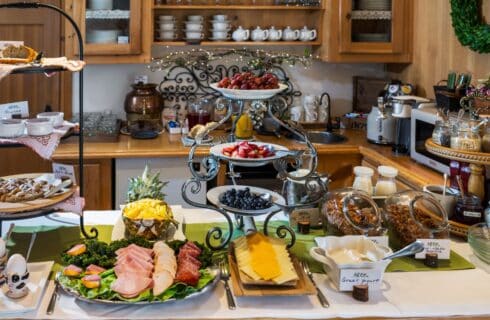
(210, 286)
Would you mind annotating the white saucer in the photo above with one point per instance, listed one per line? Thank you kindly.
(219, 39)
(219, 21)
(224, 30)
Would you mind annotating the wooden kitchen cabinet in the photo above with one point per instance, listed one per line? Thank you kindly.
(339, 167)
(368, 31)
(120, 34)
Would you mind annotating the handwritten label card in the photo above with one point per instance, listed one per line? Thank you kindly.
(64, 170)
(352, 277)
(440, 246)
(11, 110)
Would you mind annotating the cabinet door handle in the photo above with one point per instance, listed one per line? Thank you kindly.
(348, 16)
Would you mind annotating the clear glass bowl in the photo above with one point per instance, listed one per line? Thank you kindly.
(479, 240)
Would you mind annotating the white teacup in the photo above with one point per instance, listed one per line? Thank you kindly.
(195, 18)
(167, 26)
(194, 35)
(191, 26)
(166, 18)
(168, 35)
(220, 26)
(296, 113)
(448, 201)
(220, 17)
(220, 35)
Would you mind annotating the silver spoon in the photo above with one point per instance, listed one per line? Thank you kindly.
(413, 248)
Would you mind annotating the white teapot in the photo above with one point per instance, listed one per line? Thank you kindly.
(241, 34)
(260, 35)
(289, 34)
(306, 34)
(274, 34)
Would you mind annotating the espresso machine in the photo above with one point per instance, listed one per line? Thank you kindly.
(402, 113)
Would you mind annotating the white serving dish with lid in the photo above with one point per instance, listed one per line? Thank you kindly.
(56, 118)
(11, 128)
(39, 127)
(345, 275)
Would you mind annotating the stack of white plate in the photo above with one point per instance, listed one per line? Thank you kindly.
(381, 5)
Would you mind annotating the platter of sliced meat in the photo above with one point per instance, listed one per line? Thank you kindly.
(135, 274)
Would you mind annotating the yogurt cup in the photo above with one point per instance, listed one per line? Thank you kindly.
(11, 128)
(39, 127)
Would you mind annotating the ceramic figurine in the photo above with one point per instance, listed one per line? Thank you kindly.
(17, 276)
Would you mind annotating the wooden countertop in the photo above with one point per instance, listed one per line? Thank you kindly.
(167, 145)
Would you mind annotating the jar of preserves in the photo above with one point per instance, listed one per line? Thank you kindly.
(468, 209)
(386, 184)
(412, 215)
(362, 181)
(351, 212)
(442, 134)
(466, 139)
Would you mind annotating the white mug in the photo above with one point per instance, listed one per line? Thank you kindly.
(296, 113)
(167, 26)
(221, 26)
(220, 17)
(220, 35)
(195, 18)
(193, 35)
(168, 35)
(166, 18)
(193, 27)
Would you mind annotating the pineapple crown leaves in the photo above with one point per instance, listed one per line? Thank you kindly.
(148, 185)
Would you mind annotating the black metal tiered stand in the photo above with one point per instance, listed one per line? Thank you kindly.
(39, 69)
(315, 184)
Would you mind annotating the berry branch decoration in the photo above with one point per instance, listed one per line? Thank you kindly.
(256, 59)
(468, 25)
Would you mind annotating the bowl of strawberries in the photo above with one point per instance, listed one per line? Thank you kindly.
(249, 154)
(247, 86)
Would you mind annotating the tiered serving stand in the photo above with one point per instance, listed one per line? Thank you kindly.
(40, 69)
(315, 184)
(475, 158)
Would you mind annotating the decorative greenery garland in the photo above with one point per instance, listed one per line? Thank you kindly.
(468, 26)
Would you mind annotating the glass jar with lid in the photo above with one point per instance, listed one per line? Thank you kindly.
(466, 139)
(386, 184)
(441, 134)
(412, 215)
(351, 212)
(468, 209)
(362, 181)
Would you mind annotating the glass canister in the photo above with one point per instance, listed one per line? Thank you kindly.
(362, 181)
(468, 209)
(442, 134)
(386, 184)
(143, 106)
(466, 139)
(351, 212)
(412, 215)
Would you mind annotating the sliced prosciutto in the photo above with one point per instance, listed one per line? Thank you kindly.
(94, 269)
(165, 267)
(188, 264)
(130, 285)
(134, 247)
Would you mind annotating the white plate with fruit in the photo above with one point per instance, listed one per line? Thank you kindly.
(249, 154)
(247, 86)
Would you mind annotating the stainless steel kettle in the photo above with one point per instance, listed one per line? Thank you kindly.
(380, 124)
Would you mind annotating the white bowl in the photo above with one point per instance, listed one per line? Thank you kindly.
(103, 36)
(167, 26)
(258, 94)
(11, 128)
(39, 127)
(345, 275)
(56, 118)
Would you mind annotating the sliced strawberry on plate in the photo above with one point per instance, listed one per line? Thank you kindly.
(229, 149)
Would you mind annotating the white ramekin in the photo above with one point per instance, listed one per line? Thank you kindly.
(11, 128)
(56, 118)
(39, 127)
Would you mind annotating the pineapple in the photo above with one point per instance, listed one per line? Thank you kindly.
(147, 186)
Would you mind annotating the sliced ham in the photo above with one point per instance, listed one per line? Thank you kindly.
(122, 269)
(129, 260)
(130, 285)
(135, 254)
(135, 248)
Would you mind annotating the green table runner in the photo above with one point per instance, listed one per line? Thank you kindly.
(50, 241)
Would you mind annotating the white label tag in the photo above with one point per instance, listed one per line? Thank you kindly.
(352, 277)
(381, 240)
(19, 109)
(440, 246)
(64, 170)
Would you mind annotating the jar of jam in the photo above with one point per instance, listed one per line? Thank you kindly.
(468, 209)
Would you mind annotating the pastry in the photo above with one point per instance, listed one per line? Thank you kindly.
(17, 54)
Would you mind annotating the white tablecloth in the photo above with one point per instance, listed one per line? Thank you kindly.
(407, 294)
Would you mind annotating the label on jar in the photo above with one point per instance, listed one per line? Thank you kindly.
(473, 214)
(440, 246)
(381, 240)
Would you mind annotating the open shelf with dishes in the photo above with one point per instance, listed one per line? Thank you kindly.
(258, 25)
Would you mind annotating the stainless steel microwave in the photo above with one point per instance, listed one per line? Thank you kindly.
(423, 123)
